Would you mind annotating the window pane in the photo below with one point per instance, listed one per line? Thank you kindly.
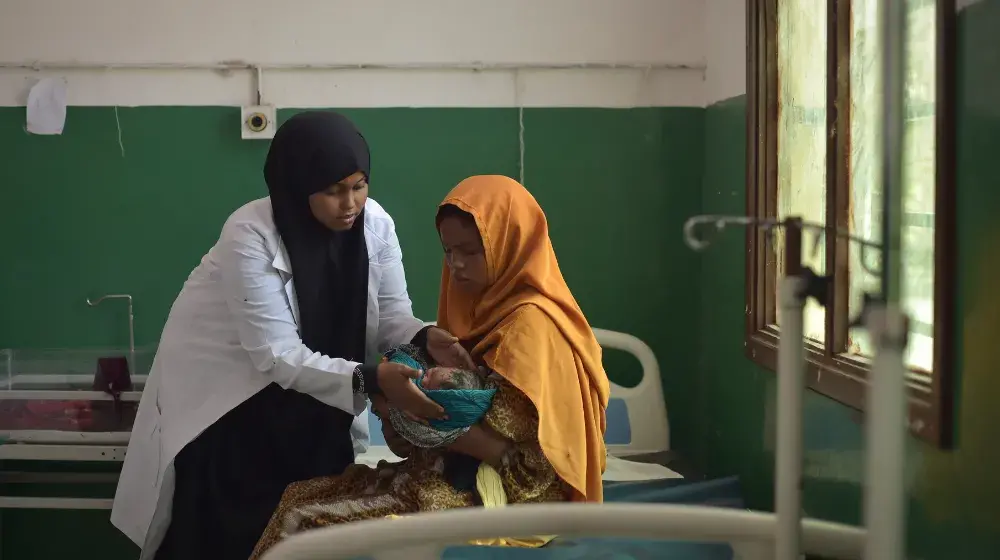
(802, 132)
(866, 191)
(918, 170)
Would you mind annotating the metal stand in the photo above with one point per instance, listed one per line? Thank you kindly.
(885, 494)
(131, 325)
(791, 384)
(886, 403)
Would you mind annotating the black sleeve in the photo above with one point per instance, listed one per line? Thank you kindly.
(420, 339)
(460, 471)
(366, 380)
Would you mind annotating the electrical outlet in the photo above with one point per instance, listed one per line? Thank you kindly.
(258, 122)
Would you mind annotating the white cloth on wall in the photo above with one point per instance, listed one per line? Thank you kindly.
(47, 106)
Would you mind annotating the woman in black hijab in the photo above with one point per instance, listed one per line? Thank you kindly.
(231, 472)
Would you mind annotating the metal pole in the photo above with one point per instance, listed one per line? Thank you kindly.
(791, 383)
(892, 14)
(131, 338)
(885, 494)
(886, 403)
(131, 324)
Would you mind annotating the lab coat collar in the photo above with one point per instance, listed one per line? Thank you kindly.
(281, 261)
(283, 265)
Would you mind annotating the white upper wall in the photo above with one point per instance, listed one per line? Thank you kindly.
(440, 33)
(725, 49)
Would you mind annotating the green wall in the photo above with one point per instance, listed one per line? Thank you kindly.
(954, 496)
(80, 218)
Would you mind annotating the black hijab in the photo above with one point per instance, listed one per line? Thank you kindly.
(310, 152)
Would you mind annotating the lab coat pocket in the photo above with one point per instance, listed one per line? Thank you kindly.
(152, 431)
(150, 445)
(293, 302)
(156, 453)
(371, 323)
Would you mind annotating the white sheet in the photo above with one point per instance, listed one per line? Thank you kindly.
(621, 470)
(618, 470)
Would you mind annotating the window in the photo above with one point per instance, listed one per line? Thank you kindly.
(813, 123)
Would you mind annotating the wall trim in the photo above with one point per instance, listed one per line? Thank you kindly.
(612, 88)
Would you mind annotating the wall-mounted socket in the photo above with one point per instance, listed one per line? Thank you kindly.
(258, 122)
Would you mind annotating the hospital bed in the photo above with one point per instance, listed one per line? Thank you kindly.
(637, 433)
(648, 519)
(652, 511)
(783, 535)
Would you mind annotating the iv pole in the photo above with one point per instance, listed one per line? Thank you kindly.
(886, 427)
(793, 291)
(791, 384)
(884, 495)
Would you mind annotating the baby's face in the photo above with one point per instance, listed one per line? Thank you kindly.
(439, 378)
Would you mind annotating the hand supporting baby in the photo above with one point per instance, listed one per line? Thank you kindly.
(464, 395)
(433, 379)
(477, 441)
(395, 380)
(446, 350)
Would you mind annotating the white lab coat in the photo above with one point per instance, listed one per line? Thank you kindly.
(233, 330)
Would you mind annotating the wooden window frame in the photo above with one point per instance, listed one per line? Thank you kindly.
(830, 371)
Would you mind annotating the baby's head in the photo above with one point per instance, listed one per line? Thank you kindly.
(444, 378)
(435, 378)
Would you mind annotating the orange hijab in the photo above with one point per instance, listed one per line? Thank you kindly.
(528, 328)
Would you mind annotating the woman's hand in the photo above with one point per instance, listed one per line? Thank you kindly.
(397, 444)
(483, 444)
(395, 381)
(446, 350)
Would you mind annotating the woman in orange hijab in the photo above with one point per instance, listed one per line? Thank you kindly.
(503, 296)
(542, 440)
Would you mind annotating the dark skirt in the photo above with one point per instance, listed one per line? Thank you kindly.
(230, 478)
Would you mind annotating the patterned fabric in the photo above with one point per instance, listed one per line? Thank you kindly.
(417, 483)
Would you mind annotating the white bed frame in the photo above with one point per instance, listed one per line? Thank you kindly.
(637, 424)
(424, 536)
(646, 408)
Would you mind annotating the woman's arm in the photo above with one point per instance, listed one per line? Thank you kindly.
(255, 295)
(483, 444)
(507, 439)
(511, 419)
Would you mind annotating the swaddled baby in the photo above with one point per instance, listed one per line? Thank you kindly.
(465, 396)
